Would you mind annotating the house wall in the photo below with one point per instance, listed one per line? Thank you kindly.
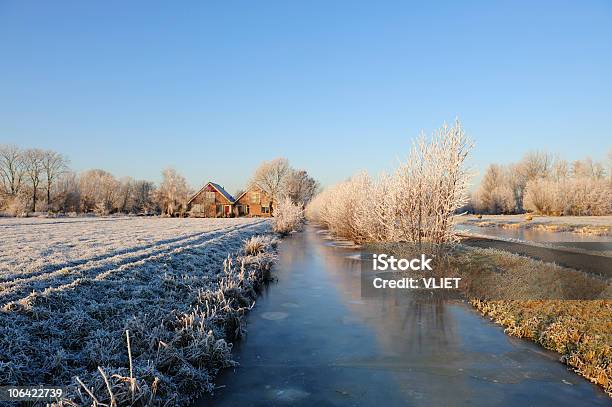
(204, 206)
(256, 200)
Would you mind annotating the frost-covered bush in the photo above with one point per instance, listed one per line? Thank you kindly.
(573, 196)
(17, 205)
(288, 217)
(495, 193)
(416, 203)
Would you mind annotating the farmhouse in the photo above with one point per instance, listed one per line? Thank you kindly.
(253, 202)
(212, 201)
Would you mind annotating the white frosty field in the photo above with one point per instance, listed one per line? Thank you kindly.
(70, 288)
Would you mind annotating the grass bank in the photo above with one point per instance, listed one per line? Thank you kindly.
(579, 330)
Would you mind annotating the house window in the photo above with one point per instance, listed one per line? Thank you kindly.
(255, 197)
(247, 209)
(209, 196)
(265, 209)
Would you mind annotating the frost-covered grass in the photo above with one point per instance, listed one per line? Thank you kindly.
(71, 288)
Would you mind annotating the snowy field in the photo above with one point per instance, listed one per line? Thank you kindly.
(70, 288)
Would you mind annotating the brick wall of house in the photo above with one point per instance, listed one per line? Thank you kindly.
(256, 201)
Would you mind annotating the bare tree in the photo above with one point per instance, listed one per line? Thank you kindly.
(536, 164)
(68, 192)
(125, 195)
(271, 178)
(173, 192)
(143, 196)
(301, 187)
(33, 158)
(53, 165)
(12, 168)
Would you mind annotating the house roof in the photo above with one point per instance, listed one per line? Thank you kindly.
(223, 192)
(250, 187)
(219, 189)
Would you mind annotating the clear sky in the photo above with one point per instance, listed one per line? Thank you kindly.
(213, 88)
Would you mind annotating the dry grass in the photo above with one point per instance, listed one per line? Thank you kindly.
(579, 330)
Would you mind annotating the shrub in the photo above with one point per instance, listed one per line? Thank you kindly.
(416, 203)
(576, 196)
(288, 217)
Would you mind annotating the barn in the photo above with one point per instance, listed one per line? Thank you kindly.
(212, 201)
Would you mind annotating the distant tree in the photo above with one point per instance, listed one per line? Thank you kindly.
(610, 165)
(588, 169)
(271, 178)
(301, 187)
(34, 168)
(143, 197)
(99, 191)
(495, 194)
(53, 165)
(173, 193)
(533, 165)
(12, 168)
(560, 170)
(536, 164)
(125, 195)
(68, 192)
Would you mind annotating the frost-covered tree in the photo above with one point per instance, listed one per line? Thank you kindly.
(99, 191)
(300, 187)
(496, 193)
(271, 177)
(417, 203)
(173, 193)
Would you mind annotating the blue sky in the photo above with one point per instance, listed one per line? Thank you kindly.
(213, 88)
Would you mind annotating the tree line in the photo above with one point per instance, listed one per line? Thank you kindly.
(36, 180)
(545, 184)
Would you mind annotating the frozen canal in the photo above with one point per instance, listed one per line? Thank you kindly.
(313, 340)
